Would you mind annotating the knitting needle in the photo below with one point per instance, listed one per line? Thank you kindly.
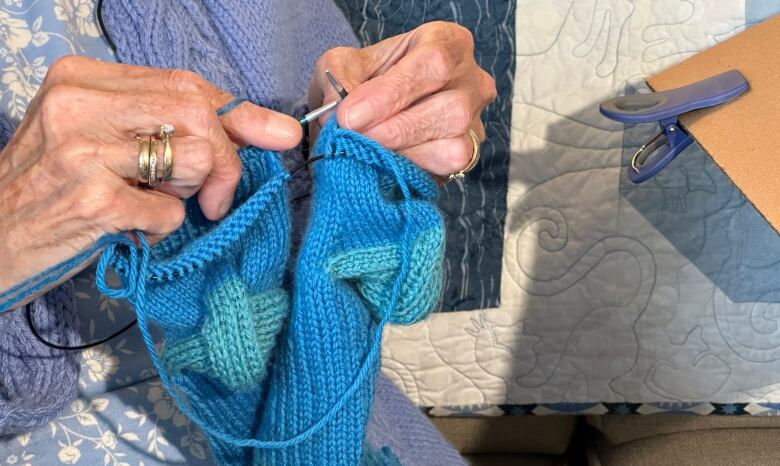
(336, 85)
(314, 114)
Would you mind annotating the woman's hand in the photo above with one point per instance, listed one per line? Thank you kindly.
(68, 176)
(417, 93)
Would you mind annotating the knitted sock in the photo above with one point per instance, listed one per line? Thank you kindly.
(373, 218)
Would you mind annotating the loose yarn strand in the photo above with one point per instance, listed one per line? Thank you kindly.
(360, 378)
(231, 105)
(51, 275)
(134, 278)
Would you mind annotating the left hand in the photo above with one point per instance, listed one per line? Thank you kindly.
(417, 93)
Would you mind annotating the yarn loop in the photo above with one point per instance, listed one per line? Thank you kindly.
(214, 288)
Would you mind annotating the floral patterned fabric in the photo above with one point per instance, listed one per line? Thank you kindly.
(34, 33)
(123, 416)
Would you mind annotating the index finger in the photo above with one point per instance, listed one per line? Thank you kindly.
(247, 124)
(426, 69)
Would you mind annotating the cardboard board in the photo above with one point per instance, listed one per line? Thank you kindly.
(743, 136)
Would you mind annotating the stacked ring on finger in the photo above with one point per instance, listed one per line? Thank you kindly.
(166, 131)
(143, 160)
(474, 157)
(153, 168)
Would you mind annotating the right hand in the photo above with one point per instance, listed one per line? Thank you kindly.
(68, 175)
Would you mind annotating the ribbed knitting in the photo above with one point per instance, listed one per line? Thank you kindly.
(37, 382)
(269, 383)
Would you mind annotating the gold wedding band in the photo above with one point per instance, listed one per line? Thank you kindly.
(166, 131)
(474, 157)
(143, 160)
(153, 162)
(153, 167)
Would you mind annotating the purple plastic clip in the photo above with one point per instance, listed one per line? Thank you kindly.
(665, 107)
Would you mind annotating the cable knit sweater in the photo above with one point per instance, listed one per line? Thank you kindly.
(36, 382)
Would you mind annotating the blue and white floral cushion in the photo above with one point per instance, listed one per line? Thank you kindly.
(123, 416)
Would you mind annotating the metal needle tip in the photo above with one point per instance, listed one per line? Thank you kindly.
(336, 85)
(314, 114)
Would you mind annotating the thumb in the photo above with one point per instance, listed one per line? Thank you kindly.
(250, 124)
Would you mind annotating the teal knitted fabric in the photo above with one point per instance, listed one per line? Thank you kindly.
(274, 385)
(267, 381)
(374, 220)
(214, 289)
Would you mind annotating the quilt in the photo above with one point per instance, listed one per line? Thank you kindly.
(612, 297)
(568, 289)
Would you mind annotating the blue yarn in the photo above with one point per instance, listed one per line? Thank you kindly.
(163, 284)
(230, 105)
(44, 279)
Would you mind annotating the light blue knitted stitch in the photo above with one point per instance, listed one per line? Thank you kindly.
(372, 255)
(374, 221)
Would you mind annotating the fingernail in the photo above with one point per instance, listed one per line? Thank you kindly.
(292, 133)
(359, 115)
(284, 129)
(224, 206)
